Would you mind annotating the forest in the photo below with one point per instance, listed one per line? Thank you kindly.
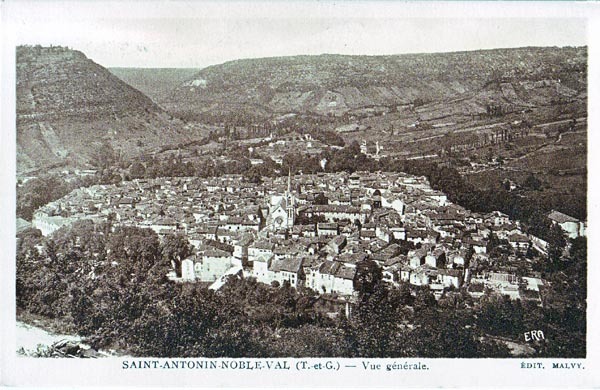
(109, 285)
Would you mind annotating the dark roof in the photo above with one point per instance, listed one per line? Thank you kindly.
(216, 253)
(333, 208)
(338, 270)
(344, 272)
(326, 225)
(476, 287)
(451, 272)
(287, 265)
(381, 256)
(262, 245)
(264, 258)
(419, 253)
(329, 267)
(245, 241)
(518, 238)
(351, 258)
(559, 217)
(395, 260)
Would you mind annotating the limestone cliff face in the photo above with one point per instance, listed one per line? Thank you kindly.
(335, 84)
(67, 106)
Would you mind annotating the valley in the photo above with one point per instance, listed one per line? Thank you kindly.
(267, 204)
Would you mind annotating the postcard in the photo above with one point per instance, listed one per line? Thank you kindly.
(299, 194)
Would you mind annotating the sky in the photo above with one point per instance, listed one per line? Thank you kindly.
(198, 34)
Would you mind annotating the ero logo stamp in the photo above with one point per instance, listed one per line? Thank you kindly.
(534, 335)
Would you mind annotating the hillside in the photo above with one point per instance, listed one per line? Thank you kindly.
(338, 84)
(495, 115)
(156, 83)
(68, 106)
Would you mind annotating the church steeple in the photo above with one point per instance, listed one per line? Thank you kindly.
(289, 200)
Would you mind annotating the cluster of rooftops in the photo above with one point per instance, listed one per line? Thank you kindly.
(337, 221)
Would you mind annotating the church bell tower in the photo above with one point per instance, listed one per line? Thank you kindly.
(289, 201)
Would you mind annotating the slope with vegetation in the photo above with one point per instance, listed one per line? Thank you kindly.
(335, 84)
(67, 106)
(156, 83)
(109, 285)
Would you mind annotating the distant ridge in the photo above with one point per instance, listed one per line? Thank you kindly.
(331, 84)
(156, 83)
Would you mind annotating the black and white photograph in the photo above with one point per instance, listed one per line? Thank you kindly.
(259, 185)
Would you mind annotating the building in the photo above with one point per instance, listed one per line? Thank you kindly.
(213, 264)
(417, 257)
(334, 213)
(519, 242)
(331, 277)
(436, 258)
(327, 229)
(259, 248)
(240, 249)
(22, 225)
(188, 272)
(450, 278)
(260, 268)
(282, 212)
(48, 224)
(337, 244)
(287, 270)
(571, 226)
(497, 218)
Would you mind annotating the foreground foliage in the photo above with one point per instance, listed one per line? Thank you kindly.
(111, 285)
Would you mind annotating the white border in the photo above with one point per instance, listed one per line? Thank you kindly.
(444, 372)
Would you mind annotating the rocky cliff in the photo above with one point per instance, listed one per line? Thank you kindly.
(67, 106)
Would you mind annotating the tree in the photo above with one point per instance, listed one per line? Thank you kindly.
(137, 170)
(443, 333)
(498, 315)
(424, 300)
(104, 157)
(255, 173)
(358, 224)
(532, 183)
(174, 249)
(135, 251)
(493, 242)
(320, 199)
(368, 276)
(39, 192)
(538, 224)
(578, 250)
(556, 245)
(373, 330)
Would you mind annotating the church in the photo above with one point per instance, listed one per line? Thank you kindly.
(282, 210)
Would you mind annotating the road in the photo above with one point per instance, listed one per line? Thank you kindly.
(29, 337)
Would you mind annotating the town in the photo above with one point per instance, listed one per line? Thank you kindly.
(314, 230)
(304, 206)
